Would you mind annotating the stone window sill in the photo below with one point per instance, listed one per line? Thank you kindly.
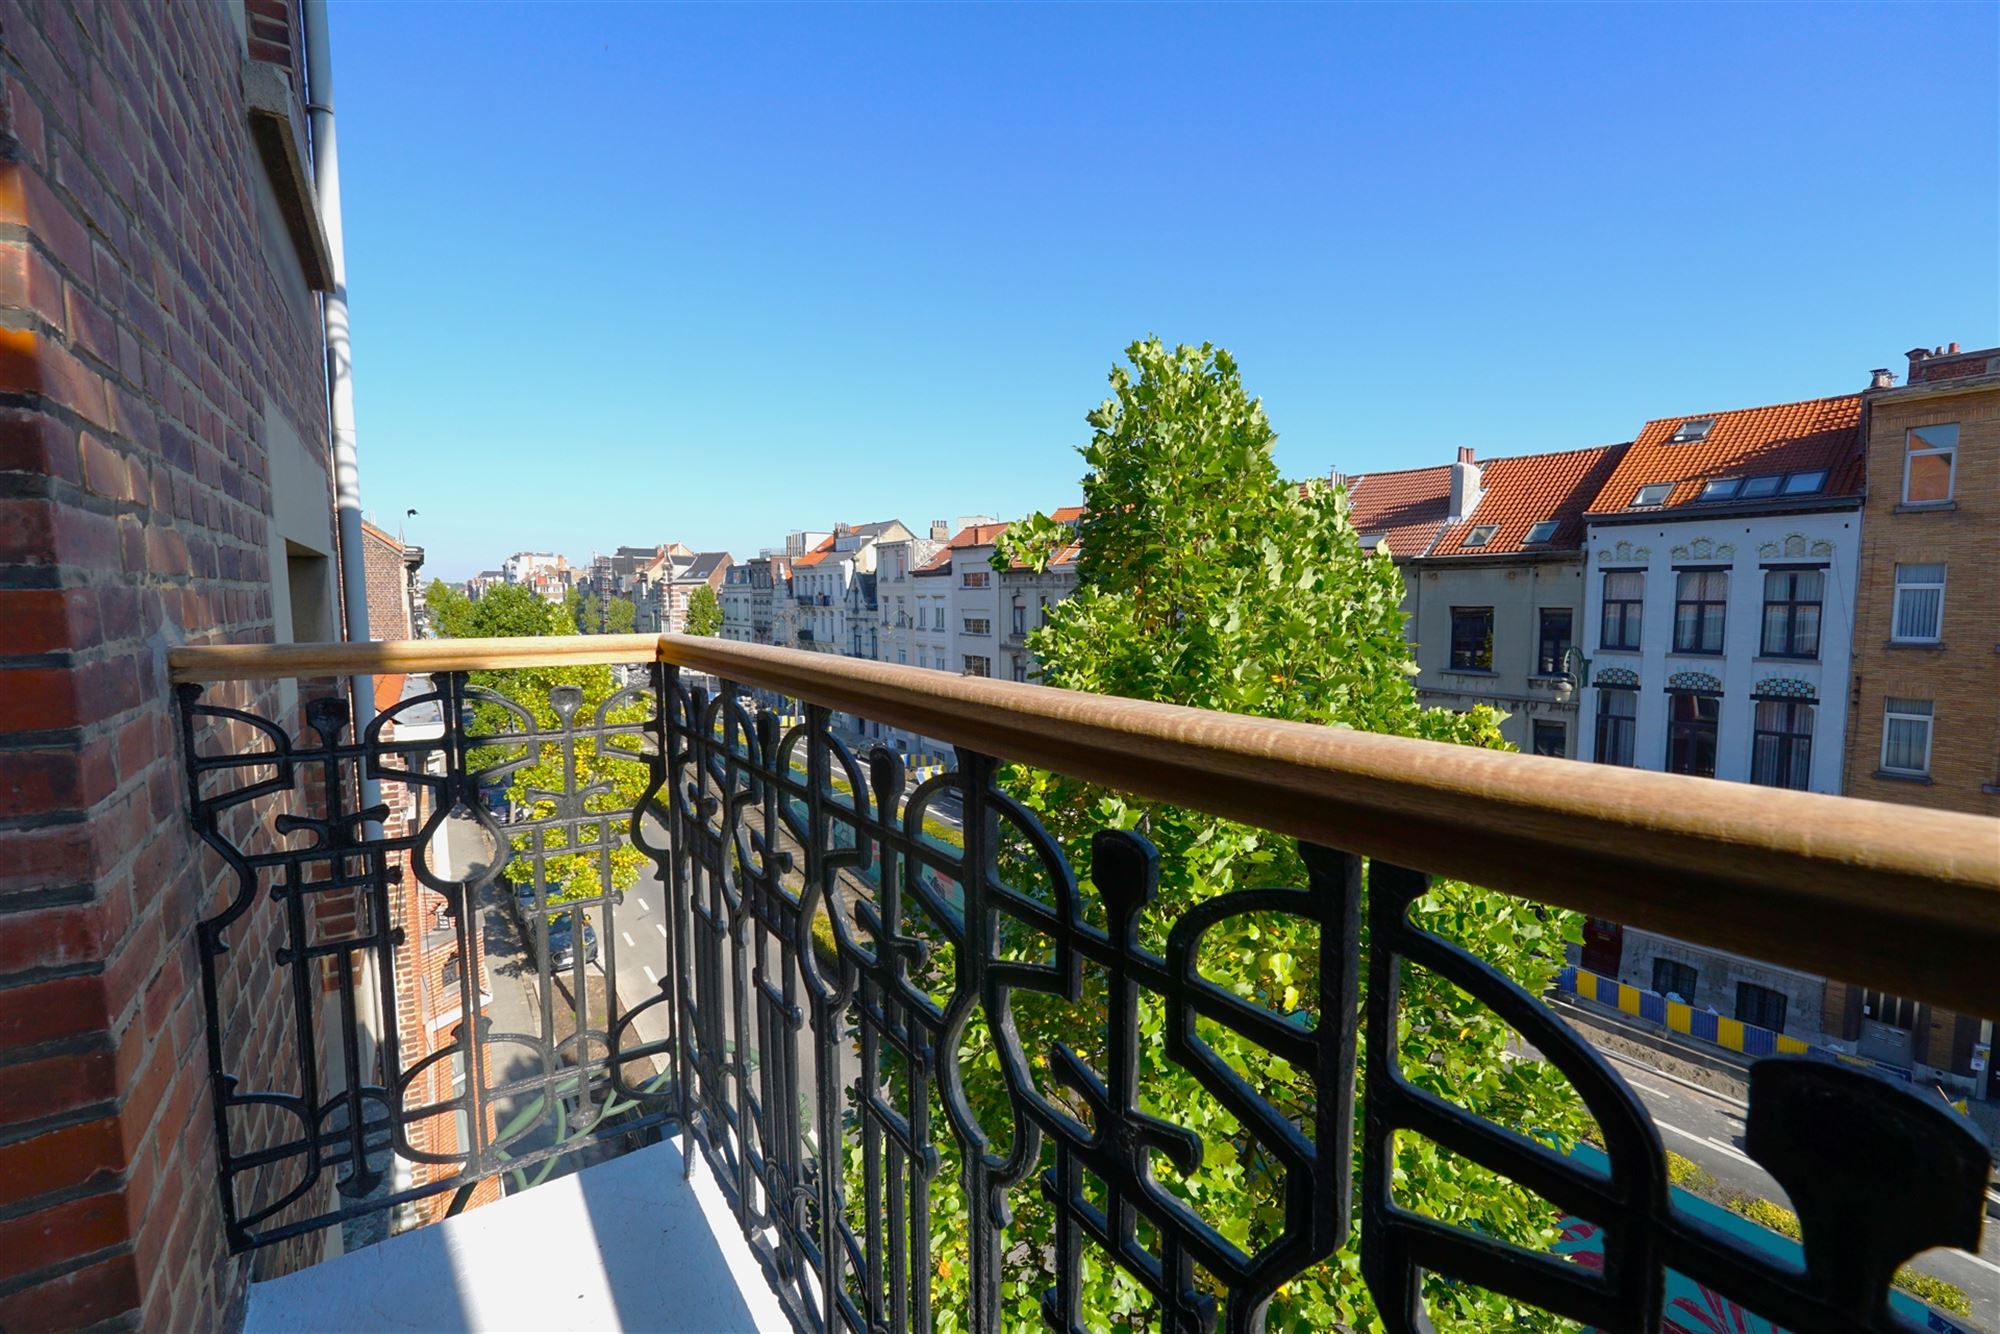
(1481, 672)
(1891, 777)
(1925, 507)
(1785, 660)
(1919, 645)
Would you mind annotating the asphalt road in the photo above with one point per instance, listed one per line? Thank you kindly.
(1708, 1129)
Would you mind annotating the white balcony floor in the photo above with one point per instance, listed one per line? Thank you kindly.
(623, 1245)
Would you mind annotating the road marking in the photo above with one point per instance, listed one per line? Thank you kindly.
(1729, 1149)
(1648, 1088)
(1734, 1152)
(661, 927)
(630, 944)
(643, 904)
(1983, 1264)
(651, 977)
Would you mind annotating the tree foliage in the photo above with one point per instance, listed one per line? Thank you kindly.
(608, 616)
(569, 871)
(450, 610)
(1208, 580)
(704, 613)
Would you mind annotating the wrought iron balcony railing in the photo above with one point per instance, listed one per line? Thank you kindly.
(834, 960)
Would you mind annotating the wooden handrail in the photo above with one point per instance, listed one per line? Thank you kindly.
(1900, 898)
(262, 662)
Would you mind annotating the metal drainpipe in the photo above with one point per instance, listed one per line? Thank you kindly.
(346, 459)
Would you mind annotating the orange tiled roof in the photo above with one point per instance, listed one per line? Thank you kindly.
(1785, 437)
(1405, 508)
(816, 555)
(977, 535)
(1518, 493)
(1067, 514)
(973, 535)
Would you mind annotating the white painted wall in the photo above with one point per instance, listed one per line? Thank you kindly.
(1745, 545)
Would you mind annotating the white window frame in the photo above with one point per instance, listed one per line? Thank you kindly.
(1951, 463)
(1929, 720)
(1896, 606)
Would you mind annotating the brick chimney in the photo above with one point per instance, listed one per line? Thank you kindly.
(940, 531)
(1880, 378)
(1464, 484)
(1950, 363)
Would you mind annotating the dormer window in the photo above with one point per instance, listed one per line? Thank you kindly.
(1655, 493)
(1481, 535)
(1722, 488)
(1541, 532)
(1805, 483)
(1692, 431)
(1755, 487)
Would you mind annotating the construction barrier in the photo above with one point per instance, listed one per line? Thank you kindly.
(1701, 1025)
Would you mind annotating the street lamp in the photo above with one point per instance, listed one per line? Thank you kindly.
(1572, 672)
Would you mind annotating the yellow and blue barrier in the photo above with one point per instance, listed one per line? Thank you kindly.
(1677, 1017)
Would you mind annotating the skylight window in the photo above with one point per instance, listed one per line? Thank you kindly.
(1541, 532)
(1654, 494)
(1722, 488)
(1689, 432)
(1481, 535)
(1754, 487)
(1805, 483)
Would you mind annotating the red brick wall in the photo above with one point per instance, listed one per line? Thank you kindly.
(139, 331)
(388, 584)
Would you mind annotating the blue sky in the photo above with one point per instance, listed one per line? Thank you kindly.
(631, 274)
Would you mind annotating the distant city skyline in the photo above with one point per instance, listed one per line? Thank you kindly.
(747, 270)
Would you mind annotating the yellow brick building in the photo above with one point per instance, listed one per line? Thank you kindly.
(1925, 722)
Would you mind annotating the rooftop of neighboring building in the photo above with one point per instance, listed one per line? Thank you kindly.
(703, 567)
(1401, 510)
(1782, 455)
(1940, 364)
(1530, 503)
(813, 557)
(972, 535)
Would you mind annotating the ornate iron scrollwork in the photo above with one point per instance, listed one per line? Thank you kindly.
(315, 1139)
(846, 956)
(1878, 1174)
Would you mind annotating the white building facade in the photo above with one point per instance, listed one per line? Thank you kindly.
(1722, 646)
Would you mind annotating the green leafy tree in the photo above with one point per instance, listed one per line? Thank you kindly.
(704, 615)
(450, 610)
(611, 616)
(1208, 580)
(571, 871)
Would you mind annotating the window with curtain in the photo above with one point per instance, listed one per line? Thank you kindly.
(1555, 637)
(1617, 725)
(1624, 599)
(1919, 612)
(1793, 600)
(1781, 743)
(1691, 721)
(1701, 599)
(1906, 735)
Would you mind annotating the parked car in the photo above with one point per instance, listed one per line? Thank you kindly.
(562, 940)
(562, 929)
